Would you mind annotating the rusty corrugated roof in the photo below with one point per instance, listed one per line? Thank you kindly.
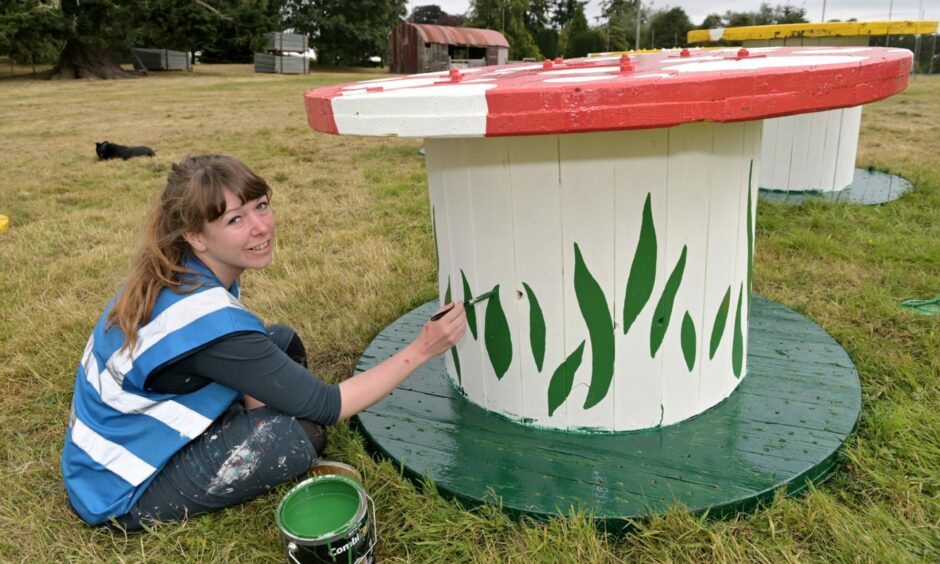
(460, 35)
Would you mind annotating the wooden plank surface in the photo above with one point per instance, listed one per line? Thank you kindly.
(782, 427)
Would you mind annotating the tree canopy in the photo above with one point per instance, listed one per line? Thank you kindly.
(433, 14)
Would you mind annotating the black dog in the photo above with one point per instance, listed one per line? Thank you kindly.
(108, 150)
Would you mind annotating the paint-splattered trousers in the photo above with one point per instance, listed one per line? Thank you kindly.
(241, 455)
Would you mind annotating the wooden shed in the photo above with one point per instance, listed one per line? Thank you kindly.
(415, 48)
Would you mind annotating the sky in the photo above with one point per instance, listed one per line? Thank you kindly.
(863, 10)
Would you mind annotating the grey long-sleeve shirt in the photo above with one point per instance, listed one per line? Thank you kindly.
(252, 364)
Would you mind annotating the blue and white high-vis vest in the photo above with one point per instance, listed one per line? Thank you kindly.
(119, 435)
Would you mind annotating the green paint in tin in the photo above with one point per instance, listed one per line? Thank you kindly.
(321, 513)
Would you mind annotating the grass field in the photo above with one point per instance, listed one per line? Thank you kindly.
(355, 251)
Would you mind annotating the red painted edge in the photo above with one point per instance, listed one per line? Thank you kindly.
(320, 113)
(523, 104)
(596, 108)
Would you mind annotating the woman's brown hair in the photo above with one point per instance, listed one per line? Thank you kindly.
(194, 195)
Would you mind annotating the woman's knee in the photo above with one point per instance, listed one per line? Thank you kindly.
(288, 341)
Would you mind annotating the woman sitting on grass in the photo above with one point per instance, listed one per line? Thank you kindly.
(185, 402)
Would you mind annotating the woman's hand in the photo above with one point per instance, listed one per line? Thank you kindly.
(439, 336)
(366, 388)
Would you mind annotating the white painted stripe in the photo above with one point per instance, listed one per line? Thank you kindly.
(823, 51)
(175, 415)
(588, 70)
(458, 110)
(569, 79)
(112, 456)
(766, 63)
(172, 318)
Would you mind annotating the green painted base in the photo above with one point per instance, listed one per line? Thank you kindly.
(869, 187)
(781, 428)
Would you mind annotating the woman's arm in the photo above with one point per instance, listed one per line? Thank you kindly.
(366, 388)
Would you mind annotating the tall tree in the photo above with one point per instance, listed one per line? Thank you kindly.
(669, 28)
(538, 22)
(578, 39)
(94, 32)
(433, 14)
(347, 32)
(563, 11)
(29, 30)
(428, 14)
(92, 36)
(509, 18)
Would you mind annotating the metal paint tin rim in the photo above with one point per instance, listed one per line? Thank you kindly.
(334, 535)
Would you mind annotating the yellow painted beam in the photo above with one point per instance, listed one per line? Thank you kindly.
(832, 29)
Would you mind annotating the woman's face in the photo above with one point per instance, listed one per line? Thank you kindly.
(243, 237)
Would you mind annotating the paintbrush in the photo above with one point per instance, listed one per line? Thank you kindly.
(466, 304)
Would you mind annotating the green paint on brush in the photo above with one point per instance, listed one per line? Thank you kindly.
(453, 350)
(664, 308)
(471, 311)
(737, 347)
(536, 328)
(642, 271)
(718, 328)
(496, 335)
(562, 380)
(688, 341)
(600, 324)
(750, 230)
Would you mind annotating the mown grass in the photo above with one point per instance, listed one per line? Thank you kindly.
(355, 252)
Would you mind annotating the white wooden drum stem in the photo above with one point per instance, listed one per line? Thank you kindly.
(509, 211)
(810, 152)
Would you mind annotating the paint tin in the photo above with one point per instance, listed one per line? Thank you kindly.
(328, 518)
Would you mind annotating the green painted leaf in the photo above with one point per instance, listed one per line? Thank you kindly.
(453, 350)
(437, 250)
(496, 335)
(560, 386)
(664, 308)
(453, 353)
(471, 311)
(536, 328)
(737, 347)
(600, 324)
(718, 328)
(688, 341)
(750, 230)
(642, 271)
